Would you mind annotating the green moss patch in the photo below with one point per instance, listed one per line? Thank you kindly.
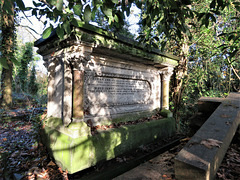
(78, 152)
(166, 113)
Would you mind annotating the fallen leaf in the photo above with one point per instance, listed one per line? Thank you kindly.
(65, 176)
(111, 126)
(51, 164)
(225, 116)
(185, 139)
(60, 170)
(228, 122)
(15, 154)
(151, 161)
(31, 177)
(210, 143)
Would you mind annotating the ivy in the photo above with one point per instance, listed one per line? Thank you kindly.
(26, 58)
(33, 85)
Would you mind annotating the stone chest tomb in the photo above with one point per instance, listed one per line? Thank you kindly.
(96, 79)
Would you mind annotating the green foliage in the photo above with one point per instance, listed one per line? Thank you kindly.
(27, 57)
(68, 14)
(161, 21)
(47, 32)
(121, 30)
(26, 80)
(42, 88)
(87, 14)
(33, 85)
(207, 70)
(204, 33)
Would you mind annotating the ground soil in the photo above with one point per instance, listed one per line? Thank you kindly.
(162, 166)
(23, 156)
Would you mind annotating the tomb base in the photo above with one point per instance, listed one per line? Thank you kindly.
(74, 148)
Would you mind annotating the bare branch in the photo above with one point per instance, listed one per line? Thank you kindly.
(234, 70)
(29, 29)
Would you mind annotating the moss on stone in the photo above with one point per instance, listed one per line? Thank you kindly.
(133, 50)
(75, 129)
(85, 37)
(166, 113)
(108, 40)
(53, 122)
(100, 37)
(78, 153)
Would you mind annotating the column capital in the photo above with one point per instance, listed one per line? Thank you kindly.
(78, 56)
(167, 73)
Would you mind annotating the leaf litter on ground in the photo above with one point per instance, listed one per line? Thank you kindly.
(22, 155)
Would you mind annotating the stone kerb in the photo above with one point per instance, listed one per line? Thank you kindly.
(208, 105)
(97, 80)
(203, 154)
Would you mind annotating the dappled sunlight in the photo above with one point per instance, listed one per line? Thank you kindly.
(113, 88)
(207, 147)
(55, 85)
(111, 98)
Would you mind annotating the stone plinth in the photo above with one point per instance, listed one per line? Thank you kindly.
(199, 161)
(98, 79)
(75, 149)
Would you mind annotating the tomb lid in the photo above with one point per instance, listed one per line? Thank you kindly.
(100, 38)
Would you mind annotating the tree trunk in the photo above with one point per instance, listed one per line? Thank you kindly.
(179, 73)
(7, 52)
(6, 82)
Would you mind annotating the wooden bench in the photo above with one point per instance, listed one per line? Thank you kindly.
(203, 154)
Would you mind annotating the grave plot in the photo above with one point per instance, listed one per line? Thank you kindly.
(100, 90)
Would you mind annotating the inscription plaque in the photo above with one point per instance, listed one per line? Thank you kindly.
(113, 89)
(116, 91)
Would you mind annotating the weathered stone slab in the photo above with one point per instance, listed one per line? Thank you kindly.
(208, 105)
(195, 160)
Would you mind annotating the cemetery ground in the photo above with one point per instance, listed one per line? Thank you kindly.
(23, 155)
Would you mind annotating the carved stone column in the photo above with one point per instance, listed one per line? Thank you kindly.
(166, 75)
(81, 57)
(78, 79)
